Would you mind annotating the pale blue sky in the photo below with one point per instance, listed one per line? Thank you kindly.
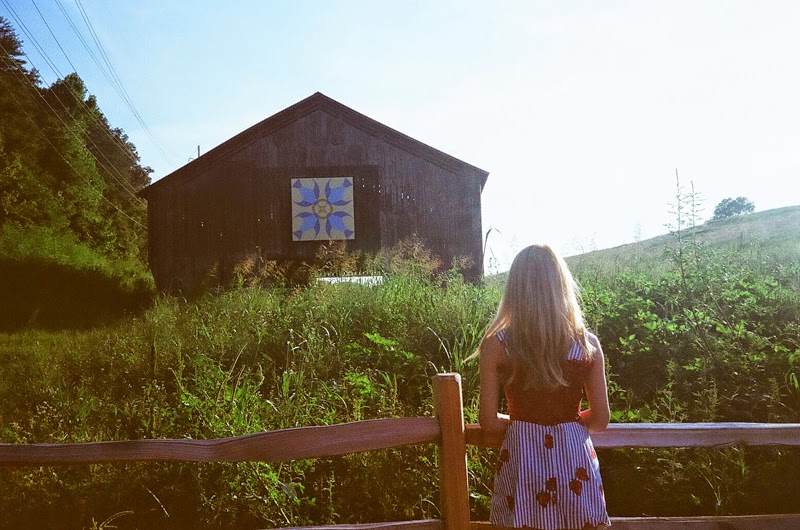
(581, 111)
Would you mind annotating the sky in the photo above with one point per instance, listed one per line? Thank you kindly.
(583, 112)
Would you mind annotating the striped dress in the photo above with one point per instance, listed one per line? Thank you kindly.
(547, 474)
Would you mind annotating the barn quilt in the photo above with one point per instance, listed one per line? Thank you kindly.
(322, 209)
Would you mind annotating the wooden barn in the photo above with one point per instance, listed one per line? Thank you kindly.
(314, 172)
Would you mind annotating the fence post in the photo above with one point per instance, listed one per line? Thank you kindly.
(449, 410)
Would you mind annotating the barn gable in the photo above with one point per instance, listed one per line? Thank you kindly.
(237, 199)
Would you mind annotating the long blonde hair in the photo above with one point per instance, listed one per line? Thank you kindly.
(541, 318)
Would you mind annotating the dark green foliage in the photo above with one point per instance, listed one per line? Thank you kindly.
(718, 336)
(713, 340)
(52, 281)
(707, 336)
(232, 363)
(67, 189)
(730, 207)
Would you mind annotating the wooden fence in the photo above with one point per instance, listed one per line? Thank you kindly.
(452, 435)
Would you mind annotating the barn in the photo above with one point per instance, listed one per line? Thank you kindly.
(314, 172)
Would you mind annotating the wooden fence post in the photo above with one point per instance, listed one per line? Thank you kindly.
(449, 410)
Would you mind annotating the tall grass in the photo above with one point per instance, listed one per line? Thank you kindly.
(716, 342)
(236, 362)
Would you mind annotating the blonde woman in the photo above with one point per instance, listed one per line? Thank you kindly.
(539, 352)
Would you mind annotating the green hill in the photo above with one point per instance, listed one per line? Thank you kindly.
(772, 234)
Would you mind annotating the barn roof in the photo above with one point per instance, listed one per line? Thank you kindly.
(317, 101)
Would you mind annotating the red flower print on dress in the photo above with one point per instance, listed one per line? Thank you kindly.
(510, 502)
(548, 441)
(501, 460)
(550, 485)
(543, 498)
(576, 486)
(592, 452)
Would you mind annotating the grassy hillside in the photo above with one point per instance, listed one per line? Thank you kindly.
(772, 233)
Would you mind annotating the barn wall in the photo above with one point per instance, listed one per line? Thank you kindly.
(242, 205)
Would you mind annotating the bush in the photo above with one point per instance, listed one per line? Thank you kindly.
(51, 280)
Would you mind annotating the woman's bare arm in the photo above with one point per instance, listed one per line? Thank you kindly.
(597, 416)
(490, 360)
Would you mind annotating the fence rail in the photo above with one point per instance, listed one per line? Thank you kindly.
(422, 524)
(272, 446)
(655, 435)
(452, 435)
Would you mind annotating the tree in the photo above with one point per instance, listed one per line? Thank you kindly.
(62, 165)
(730, 207)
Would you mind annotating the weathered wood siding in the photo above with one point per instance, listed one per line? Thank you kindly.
(241, 205)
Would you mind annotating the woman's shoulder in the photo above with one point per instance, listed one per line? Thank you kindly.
(596, 352)
(594, 344)
(493, 349)
(578, 352)
(592, 339)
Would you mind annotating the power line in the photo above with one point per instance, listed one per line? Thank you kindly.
(106, 60)
(103, 127)
(66, 128)
(119, 86)
(74, 69)
(130, 190)
(27, 32)
(81, 175)
(108, 72)
(53, 35)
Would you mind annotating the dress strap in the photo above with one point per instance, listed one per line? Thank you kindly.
(575, 352)
(501, 336)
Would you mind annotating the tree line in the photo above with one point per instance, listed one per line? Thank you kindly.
(73, 231)
(63, 168)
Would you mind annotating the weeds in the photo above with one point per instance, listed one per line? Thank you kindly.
(717, 342)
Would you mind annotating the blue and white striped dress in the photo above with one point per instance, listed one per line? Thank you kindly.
(548, 475)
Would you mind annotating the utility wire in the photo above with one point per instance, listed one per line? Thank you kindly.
(67, 129)
(121, 87)
(27, 32)
(123, 147)
(47, 139)
(122, 178)
(125, 150)
(87, 47)
(53, 35)
(106, 60)
(96, 116)
(111, 77)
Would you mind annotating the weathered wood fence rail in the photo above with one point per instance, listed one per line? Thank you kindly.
(452, 435)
